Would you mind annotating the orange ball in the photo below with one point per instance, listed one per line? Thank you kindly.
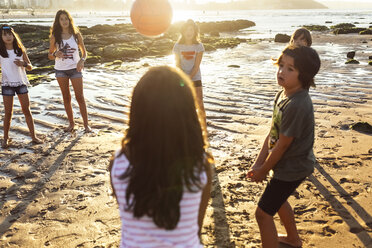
(151, 17)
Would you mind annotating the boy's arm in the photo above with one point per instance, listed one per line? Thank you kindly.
(272, 159)
(263, 153)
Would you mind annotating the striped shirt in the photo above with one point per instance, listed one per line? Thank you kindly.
(142, 232)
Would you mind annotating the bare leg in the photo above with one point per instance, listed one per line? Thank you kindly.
(269, 235)
(199, 98)
(25, 104)
(77, 83)
(64, 86)
(8, 107)
(287, 217)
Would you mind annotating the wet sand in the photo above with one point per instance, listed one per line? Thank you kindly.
(58, 194)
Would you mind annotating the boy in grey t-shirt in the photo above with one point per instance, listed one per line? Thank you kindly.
(288, 148)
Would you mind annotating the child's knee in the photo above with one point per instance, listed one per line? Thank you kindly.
(262, 215)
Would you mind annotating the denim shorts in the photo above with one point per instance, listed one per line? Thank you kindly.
(10, 91)
(72, 73)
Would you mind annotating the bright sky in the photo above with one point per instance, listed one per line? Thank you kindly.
(350, 1)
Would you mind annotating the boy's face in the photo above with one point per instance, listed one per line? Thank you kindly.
(287, 74)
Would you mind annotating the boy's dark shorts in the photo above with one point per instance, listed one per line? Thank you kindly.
(276, 193)
(10, 91)
(197, 83)
(73, 73)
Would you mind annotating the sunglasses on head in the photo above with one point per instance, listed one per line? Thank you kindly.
(6, 28)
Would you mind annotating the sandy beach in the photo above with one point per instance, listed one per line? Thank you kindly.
(58, 194)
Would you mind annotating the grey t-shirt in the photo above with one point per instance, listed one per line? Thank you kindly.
(294, 117)
(187, 54)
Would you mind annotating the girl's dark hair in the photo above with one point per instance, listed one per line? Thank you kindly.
(18, 47)
(165, 145)
(56, 29)
(306, 61)
(195, 38)
(298, 33)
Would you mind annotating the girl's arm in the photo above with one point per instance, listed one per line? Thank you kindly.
(53, 52)
(198, 60)
(178, 60)
(272, 159)
(83, 50)
(27, 62)
(205, 198)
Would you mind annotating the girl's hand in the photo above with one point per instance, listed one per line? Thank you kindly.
(19, 63)
(80, 65)
(58, 54)
(256, 175)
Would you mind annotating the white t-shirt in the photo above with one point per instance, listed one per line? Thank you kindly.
(71, 55)
(187, 54)
(143, 232)
(12, 75)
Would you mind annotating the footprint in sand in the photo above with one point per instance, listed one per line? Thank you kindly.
(328, 231)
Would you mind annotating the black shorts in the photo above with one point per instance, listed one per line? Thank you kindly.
(197, 83)
(275, 195)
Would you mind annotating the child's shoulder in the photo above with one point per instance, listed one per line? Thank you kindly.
(301, 102)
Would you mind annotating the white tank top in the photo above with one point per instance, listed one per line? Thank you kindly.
(71, 55)
(12, 75)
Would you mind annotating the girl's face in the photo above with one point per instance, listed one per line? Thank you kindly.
(287, 74)
(64, 21)
(189, 33)
(300, 41)
(7, 37)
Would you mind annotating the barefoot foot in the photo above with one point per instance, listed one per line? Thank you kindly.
(297, 243)
(88, 129)
(5, 143)
(69, 129)
(37, 141)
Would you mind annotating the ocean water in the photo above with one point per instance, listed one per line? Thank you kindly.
(268, 22)
(231, 94)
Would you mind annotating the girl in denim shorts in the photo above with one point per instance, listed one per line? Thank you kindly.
(14, 61)
(65, 42)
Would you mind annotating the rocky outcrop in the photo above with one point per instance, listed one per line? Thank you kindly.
(282, 38)
(367, 31)
(350, 55)
(107, 43)
(316, 27)
(352, 61)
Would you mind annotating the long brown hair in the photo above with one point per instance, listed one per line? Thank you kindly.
(56, 29)
(195, 38)
(18, 47)
(298, 33)
(165, 145)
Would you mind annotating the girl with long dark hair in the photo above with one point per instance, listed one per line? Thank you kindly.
(14, 62)
(161, 175)
(65, 42)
